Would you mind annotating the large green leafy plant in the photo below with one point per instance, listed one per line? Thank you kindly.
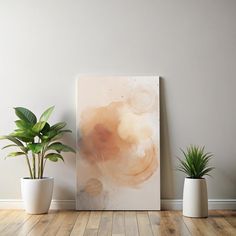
(195, 162)
(37, 140)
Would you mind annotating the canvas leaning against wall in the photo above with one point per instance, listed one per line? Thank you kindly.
(118, 143)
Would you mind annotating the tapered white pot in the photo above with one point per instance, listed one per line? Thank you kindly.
(37, 194)
(195, 199)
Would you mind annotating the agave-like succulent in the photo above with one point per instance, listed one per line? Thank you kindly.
(37, 140)
(196, 162)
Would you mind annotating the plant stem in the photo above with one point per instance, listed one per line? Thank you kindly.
(39, 169)
(34, 171)
(38, 166)
(28, 163)
(44, 163)
(41, 164)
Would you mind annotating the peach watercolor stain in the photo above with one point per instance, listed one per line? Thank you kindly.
(111, 136)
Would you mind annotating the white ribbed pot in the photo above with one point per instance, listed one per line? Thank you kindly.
(195, 199)
(37, 194)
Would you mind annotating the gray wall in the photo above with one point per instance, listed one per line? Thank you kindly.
(190, 44)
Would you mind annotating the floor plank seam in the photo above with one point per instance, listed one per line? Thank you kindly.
(87, 222)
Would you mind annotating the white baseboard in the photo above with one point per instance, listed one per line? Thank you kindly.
(55, 205)
(166, 204)
(213, 204)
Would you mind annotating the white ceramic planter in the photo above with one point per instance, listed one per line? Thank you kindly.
(195, 199)
(37, 194)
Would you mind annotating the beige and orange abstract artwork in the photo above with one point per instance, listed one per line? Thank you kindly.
(118, 143)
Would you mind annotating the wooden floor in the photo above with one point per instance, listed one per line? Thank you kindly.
(128, 223)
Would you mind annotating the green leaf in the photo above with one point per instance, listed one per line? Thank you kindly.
(54, 157)
(60, 147)
(45, 129)
(12, 139)
(25, 115)
(14, 154)
(26, 132)
(23, 139)
(57, 136)
(49, 135)
(65, 131)
(58, 126)
(16, 141)
(35, 147)
(206, 171)
(23, 135)
(46, 114)
(39, 126)
(10, 145)
(21, 124)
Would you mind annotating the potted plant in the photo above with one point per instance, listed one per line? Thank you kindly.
(37, 141)
(195, 165)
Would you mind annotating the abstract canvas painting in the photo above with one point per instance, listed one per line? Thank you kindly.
(118, 143)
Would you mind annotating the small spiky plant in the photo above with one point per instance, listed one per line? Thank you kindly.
(196, 162)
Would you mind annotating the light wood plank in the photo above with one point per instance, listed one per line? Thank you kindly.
(6, 219)
(192, 227)
(118, 224)
(131, 225)
(177, 219)
(167, 227)
(43, 223)
(229, 216)
(220, 224)
(94, 220)
(67, 224)
(203, 226)
(4, 213)
(144, 224)
(155, 220)
(231, 220)
(16, 222)
(28, 225)
(91, 232)
(55, 224)
(9, 219)
(224, 227)
(105, 228)
(80, 224)
(199, 226)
